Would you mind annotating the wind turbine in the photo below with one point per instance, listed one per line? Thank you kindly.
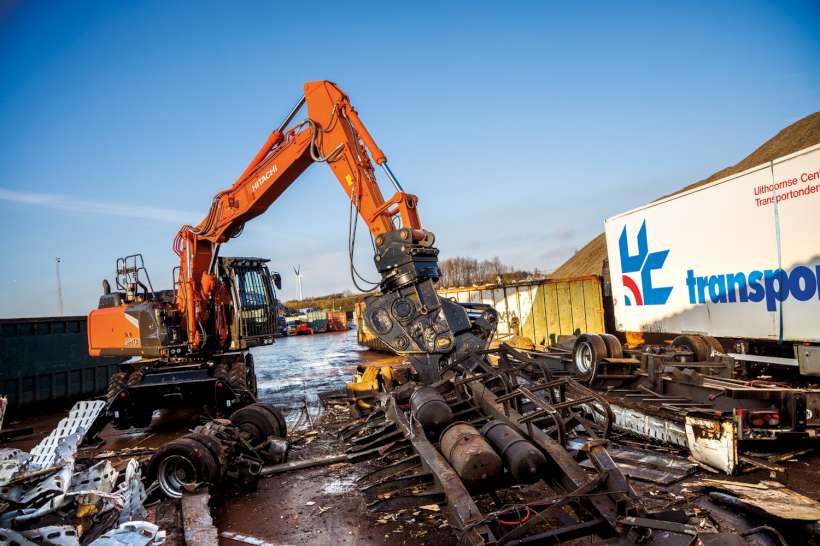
(297, 272)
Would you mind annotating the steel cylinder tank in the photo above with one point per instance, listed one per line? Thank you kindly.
(525, 461)
(470, 455)
(431, 410)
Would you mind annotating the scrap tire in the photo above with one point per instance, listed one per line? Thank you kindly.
(700, 349)
(257, 422)
(218, 449)
(194, 461)
(714, 347)
(242, 375)
(613, 346)
(116, 384)
(277, 414)
(587, 351)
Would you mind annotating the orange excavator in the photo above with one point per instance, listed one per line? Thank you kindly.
(190, 345)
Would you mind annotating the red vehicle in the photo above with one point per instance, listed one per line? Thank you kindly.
(303, 329)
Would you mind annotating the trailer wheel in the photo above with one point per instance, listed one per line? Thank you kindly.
(714, 347)
(282, 431)
(587, 351)
(181, 463)
(257, 422)
(613, 346)
(700, 350)
(218, 449)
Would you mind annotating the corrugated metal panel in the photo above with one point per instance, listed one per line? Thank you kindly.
(46, 360)
(540, 310)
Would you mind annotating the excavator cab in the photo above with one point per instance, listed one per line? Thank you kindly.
(254, 319)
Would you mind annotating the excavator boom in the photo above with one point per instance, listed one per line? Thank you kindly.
(406, 313)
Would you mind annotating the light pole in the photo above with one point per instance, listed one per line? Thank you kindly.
(59, 286)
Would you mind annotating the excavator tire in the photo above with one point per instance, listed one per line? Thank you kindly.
(221, 371)
(242, 375)
(135, 378)
(117, 383)
(257, 422)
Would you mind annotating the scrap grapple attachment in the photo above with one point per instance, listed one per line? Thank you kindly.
(410, 318)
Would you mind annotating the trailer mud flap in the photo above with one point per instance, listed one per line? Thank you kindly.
(713, 442)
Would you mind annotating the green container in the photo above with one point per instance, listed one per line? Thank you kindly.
(46, 360)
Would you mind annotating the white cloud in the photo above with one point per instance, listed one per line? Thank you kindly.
(69, 203)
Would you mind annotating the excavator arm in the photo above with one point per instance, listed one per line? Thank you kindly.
(407, 313)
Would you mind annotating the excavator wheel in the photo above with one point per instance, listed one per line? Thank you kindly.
(242, 375)
(117, 383)
(221, 371)
(135, 378)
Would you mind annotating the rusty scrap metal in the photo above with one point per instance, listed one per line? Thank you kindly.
(197, 524)
(462, 512)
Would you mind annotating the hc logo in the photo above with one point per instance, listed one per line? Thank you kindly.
(644, 262)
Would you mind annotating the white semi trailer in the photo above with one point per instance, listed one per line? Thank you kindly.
(736, 259)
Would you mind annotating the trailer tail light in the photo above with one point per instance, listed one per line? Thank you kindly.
(765, 418)
(123, 394)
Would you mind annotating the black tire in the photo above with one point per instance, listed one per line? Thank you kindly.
(715, 347)
(242, 375)
(587, 351)
(115, 385)
(257, 422)
(696, 344)
(282, 431)
(613, 346)
(221, 371)
(135, 378)
(181, 462)
(217, 448)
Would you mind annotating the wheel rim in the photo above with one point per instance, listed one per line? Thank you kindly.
(583, 357)
(174, 473)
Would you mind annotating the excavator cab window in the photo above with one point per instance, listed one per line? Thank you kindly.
(254, 320)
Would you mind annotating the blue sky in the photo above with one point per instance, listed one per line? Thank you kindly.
(521, 126)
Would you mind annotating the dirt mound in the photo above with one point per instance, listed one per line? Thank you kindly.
(797, 136)
(587, 261)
